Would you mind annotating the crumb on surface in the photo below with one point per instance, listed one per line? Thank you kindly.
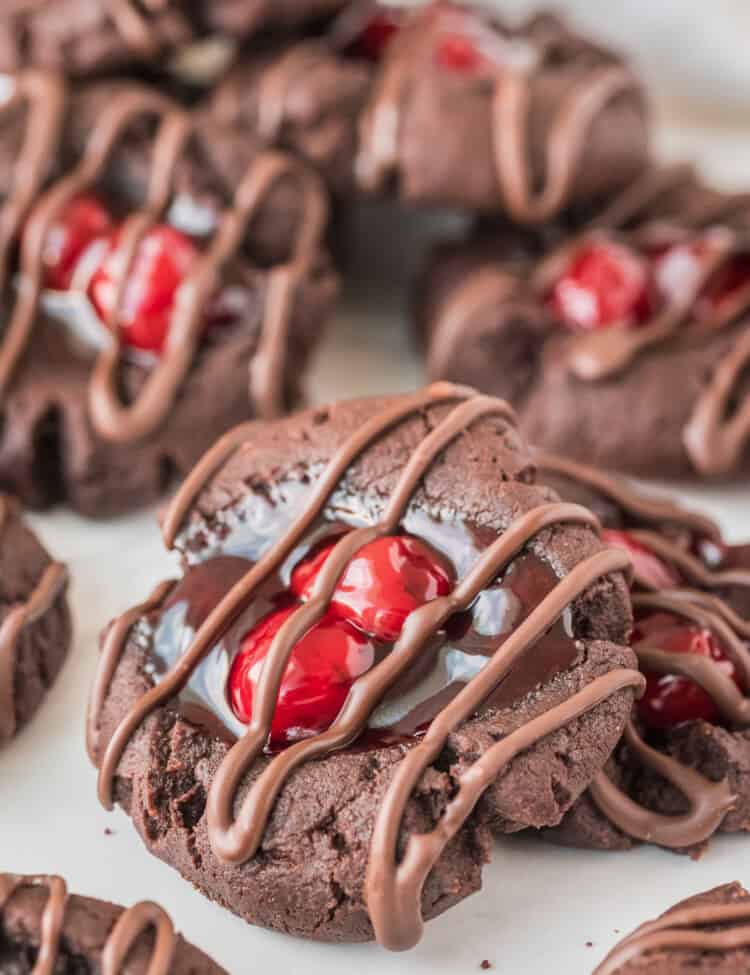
(589, 944)
(485, 964)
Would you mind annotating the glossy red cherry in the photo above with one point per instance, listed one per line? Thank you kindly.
(649, 568)
(320, 671)
(162, 261)
(733, 276)
(669, 699)
(384, 582)
(376, 36)
(457, 53)
(605, 284)
(81, 222)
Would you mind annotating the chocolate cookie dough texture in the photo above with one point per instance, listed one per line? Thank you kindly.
(708, 933)
(117, 371)
(685, 778)
(84, 37)
(35, 627)
(448, 105)
(46, 930)
(649, 374)
(455, 723)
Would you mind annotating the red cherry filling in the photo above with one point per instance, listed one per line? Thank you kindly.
(455, 52)
(162, 261)
(323, 666)
(605, 284)
(384, 582)
(376, 36)
(678, 269)
(649, 568)
(670, 699)
(82, 221)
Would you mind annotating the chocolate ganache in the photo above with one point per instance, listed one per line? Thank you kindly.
(505, 603)
(32, 208)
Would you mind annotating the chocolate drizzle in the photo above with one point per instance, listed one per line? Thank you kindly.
(112, 419)
(709, 801)
(700, 928)
(130, 925)
(510, 117)
(392, 889)
(40, 601)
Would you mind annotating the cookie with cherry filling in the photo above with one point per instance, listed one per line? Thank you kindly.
(379, 585)
(35, 625)
(160, 283)
(682, 768)
(42, 924)
(708, 933)
(83, 38)
(447, 105)
(622, 337)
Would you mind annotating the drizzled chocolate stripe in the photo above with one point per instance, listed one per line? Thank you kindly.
(41, 600)
(45, 95)
(642, 507)
(708, 801)
(566, 140)
(396, 918)
(731, 702)
(511, 123)
(131, 924)
(134, 26)
(683, 930)
(659, 512)
(110, 417)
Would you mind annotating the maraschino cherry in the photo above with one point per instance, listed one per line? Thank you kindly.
(162, 261)
(384, 582)
(605, 284)
(458, 53)
(323, 666)
(670, 699)
(377, 34)
(84, 220)
(649, 568)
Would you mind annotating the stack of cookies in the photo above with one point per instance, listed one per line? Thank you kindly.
(403, 625)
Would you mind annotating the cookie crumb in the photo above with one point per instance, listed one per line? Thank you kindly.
(589, 944)
(108, 831)
(485, 965)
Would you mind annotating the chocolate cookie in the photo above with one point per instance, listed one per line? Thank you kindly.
(35, 626)
(708, 933)
(394, 564)
(169, 282)
(683, 767)
(622, 339)
(83, 37)
(44, 929)
(446, 104)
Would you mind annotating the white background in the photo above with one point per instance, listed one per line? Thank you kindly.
(540, 905)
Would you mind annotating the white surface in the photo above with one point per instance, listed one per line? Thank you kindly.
(540, 905)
